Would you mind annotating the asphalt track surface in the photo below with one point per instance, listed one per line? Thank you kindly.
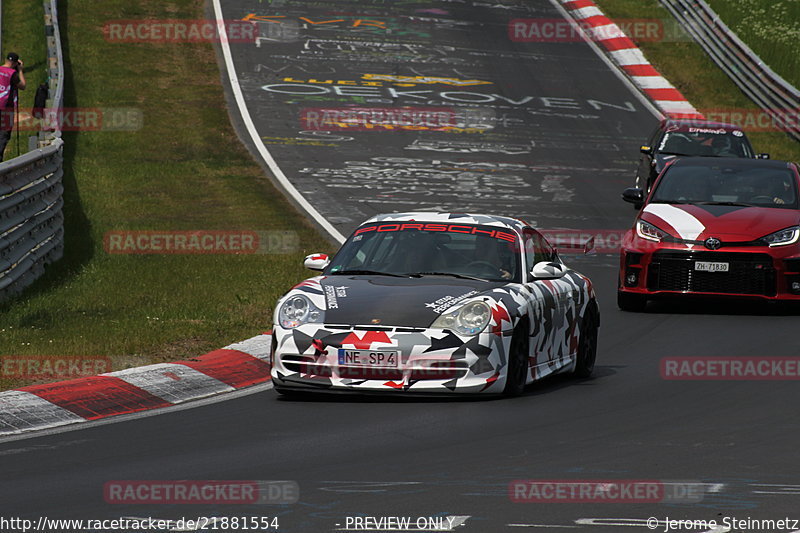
(366, 457)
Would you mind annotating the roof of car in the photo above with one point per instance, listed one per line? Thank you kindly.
(699, 123)
(731, 162)
(465, 218)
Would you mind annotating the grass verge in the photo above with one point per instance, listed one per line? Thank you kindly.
(185, 169)
(771, 28)
(706, 86)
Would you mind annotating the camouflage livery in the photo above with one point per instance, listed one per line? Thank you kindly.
(432, 360)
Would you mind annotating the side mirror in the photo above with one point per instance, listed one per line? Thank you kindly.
(762, 156)
(548, 270)
(633, 195)
(646, 150)
(316, 261)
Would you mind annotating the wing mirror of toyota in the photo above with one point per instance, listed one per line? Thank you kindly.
(646, 150)
(548, 270)
(633, 195)
(316, 261)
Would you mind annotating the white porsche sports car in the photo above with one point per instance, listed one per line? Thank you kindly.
(435, 303)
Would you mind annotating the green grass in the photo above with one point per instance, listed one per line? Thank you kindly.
(684, 63)
(771, 28)
(184, 170)
(23, 33)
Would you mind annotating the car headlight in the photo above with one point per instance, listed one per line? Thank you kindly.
(783, 237)
(298, 310)
(645, 230)
(469, 319)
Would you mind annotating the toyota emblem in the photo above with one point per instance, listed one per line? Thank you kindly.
(712, 243)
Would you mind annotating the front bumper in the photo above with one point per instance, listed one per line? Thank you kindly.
(755, 272)
(428, 360)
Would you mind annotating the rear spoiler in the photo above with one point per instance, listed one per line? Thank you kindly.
(572, 241)
(585, 241)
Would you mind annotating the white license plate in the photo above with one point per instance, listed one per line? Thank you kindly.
(707, 266)
(374, 358)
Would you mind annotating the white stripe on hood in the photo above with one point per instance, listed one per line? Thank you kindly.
(686, 224)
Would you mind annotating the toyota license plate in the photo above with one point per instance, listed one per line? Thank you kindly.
(707, 266)
(374, 358)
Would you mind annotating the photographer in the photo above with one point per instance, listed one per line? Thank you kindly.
(12, 79)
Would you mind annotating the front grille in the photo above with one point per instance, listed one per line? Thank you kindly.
(354, 372)
(792, 265)
(748, 273)
(438, 370)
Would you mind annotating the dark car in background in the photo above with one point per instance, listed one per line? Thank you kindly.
(674, 137)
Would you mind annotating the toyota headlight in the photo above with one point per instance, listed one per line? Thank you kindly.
(783, 237)
(298, 310)
(645, 230)
(469, 319)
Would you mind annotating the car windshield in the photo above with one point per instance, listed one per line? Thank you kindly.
(721, 184)
(430, 249)
(705, 142)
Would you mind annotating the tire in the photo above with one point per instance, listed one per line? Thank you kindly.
(587, 348)
(517, 362)
(633, 303)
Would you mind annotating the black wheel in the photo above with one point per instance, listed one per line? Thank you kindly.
(517, 362)
(634, 303)
(587, 348)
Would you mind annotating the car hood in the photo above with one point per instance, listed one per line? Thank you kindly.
(390, 301)
(727, 223)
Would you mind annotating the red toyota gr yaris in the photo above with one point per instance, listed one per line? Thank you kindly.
(716, 227)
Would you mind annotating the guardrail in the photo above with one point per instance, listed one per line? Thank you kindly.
(55, 64)
(31, 190)
(772, 93)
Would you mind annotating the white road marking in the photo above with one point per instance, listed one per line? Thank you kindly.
(771, 488)
(642, 522)
(256, 138)
(541, 525)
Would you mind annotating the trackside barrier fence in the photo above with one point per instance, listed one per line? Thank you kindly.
(31, 190)
(772, 93)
